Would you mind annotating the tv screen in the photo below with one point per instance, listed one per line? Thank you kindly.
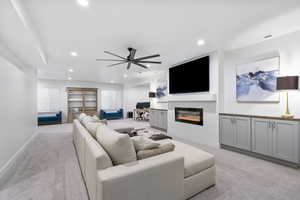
(191, 76)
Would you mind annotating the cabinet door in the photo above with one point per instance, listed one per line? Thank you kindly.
(262, 136)
(166, 120)
(243, 132)
(151, 118)
(158, 118)
(161, 121)
(286, 140)
(227, 132)
(155, 121)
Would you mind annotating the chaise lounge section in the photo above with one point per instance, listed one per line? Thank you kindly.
(176, 175)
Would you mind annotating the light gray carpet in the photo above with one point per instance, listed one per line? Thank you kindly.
(50, 171)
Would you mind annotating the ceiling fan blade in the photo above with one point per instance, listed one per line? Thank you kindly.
(128, 66)
(114, 54)
(146, 57)
(152, 62)
(108, 60)
(140, 65)
(117, 64)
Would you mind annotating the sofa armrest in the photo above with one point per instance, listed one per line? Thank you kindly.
(156, 178)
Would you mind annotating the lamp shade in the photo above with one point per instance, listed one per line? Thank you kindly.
(287, 83)
(152, 94)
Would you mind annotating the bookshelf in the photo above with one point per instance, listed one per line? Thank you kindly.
(81, 100)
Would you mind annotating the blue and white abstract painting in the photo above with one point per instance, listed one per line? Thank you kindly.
(256, 82)
(162, 89)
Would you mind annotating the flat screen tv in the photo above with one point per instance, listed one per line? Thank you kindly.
(189, 77)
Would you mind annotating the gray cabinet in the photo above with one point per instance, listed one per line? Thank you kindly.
(276, 138)
(243, 133)
(271, 137)
(159, 118)
(262, 136)
(227, 132)
(236, 132)
(286, 140)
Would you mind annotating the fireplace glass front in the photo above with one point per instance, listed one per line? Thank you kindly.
(189, 115)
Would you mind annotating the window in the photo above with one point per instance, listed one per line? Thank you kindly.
(49, 99)
(111, 99)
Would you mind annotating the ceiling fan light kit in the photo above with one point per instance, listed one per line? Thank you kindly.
(130, 59)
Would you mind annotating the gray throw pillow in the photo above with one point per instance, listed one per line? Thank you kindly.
(143, 143)
(164, 148)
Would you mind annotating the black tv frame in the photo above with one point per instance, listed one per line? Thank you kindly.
(187, 61)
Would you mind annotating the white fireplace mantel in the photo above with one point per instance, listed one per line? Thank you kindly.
(206, 97)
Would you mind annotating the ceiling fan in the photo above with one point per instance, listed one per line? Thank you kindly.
(130, 59)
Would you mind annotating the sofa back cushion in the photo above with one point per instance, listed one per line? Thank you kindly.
(88, 119)
(119, 146)
(92, 128)
(81, 117)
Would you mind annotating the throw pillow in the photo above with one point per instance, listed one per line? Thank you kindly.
(143, 143)
(119, 146)
(164, 148)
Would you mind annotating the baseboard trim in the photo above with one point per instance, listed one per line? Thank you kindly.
(260, 156)
(9, 167)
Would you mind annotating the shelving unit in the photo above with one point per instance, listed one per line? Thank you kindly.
(81, 100)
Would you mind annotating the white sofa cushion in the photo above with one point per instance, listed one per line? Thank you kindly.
(81, 117)
(121, 127)
(92, 128)
(119, 146)
(195, 160)
(88, 119)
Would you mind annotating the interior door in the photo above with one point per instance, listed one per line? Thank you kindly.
(262, 136)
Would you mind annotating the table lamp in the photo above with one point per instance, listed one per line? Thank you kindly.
(287, 83)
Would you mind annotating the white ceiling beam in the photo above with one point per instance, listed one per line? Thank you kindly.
(28, 25)
(9, 55)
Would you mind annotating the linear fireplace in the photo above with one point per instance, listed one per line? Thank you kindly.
(189, 115)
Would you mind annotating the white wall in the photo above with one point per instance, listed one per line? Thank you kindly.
(62, 85)
(134, 94)
(287, 47)
(18, 117)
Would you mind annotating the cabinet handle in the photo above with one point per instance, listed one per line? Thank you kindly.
(273, 125)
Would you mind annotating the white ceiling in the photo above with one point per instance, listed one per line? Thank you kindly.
(50, 29)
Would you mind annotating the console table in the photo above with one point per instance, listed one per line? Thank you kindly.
(273, 138)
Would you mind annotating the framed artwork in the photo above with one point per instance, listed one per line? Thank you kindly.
(162, 89)
(256, 81)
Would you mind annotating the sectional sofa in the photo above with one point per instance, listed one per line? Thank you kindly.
(176, 175)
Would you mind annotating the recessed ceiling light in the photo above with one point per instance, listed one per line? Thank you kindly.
(112, 81)
(73, 53)
(148, 65)
(84, 3)
(201, 42)
(71, 70)
(69, 78)
(125, 75)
